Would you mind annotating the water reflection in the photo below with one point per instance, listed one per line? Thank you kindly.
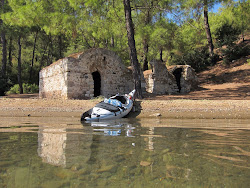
(128, 153)
(61, 147)
(112, 127)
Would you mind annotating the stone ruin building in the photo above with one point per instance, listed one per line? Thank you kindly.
(84, 75)
(96, 72)
(159, 80)
(178, 79)
(185, 76)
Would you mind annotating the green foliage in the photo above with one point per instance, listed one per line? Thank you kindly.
(197, 59)
(226, 35)
(69, 26)
(30, 88)
(4, 85)
(14, 89)
(27, 88)
(248, 61)
(234, 52)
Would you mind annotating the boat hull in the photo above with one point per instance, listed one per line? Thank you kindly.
(106, 111)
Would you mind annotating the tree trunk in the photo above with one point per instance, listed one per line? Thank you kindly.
(50, 50)
(60, 46)
(33, 57)
(112, 42)
(4, 45)
(10, 52)
(4, 53)
(132, 49)
(208, 32)
(145, 58)
(145, 41)
(19, 74)
(43, 56)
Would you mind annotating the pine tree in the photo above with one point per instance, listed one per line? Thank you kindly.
(132, 48)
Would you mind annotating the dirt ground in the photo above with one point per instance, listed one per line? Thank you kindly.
(223, 93)
(220, 82)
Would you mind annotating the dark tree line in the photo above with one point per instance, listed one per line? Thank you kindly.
(34, 34)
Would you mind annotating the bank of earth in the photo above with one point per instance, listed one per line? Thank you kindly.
(223, 93)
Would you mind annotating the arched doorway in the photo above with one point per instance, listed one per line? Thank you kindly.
(97, 83)
(177, 73)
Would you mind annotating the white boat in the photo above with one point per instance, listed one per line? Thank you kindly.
(114, 107)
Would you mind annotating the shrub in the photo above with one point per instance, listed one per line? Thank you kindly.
(30, 88)
(197, 58)
(226, 35)
(14, 89)
(248, 61)
(27, 88)
(4, 85)
(234, 52)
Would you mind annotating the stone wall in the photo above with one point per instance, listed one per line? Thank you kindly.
(176, 79)
(53, 80)
(72, 77)
(159, 80)
(188, 80)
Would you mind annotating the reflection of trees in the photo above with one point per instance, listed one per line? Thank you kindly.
(166, 153)
(227, 147)
(58, 147)
(166, 157)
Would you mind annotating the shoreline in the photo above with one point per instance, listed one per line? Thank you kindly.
(167, 109)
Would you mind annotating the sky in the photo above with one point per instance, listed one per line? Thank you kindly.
(216, 7)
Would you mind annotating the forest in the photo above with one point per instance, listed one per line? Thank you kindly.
(36, 33)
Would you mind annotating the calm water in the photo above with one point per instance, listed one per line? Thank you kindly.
(61, 152)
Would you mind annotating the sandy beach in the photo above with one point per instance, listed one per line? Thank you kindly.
(32, 106)
(223, 93)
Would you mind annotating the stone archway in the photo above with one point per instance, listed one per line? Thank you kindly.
(185, 77)
(177, 74)
(97, 83)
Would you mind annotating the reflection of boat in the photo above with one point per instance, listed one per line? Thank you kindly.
(112, 127)
(115, 107)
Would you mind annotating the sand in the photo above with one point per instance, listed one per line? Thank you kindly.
(146, 108)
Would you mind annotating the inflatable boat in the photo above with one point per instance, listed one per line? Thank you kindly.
(114, 107)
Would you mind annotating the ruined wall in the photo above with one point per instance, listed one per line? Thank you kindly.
(188, 78)
(53, 80)
(160, 81)
(176, 79)
(72, 77)
(115, 77)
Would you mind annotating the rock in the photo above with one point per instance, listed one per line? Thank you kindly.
(145, 163)
(156, 115)
(105, 168)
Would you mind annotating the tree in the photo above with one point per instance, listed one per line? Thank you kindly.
(19, 74)
(205, 5)
(207, 29)
(132, 49)
(4, 43)
(162, 37)
(33, 57)
(242, 16)
(146, 20)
